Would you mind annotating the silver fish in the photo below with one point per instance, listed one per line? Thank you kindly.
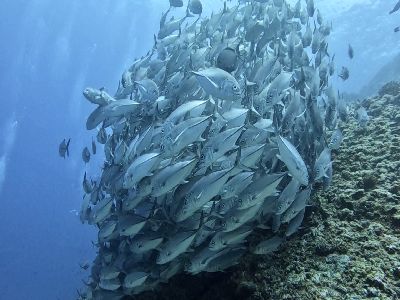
(287, 196)
(292, 159)
(145, 243)
(219, 83)
(99, 97)
(200, 193)
(268, 246)
(322, 163)
(261, 188)
(250, 156)
(219, 145)
(110, 284)
(106, 232)
(149, 89)
(109, 272)
(192, 108)
(298, 205)
(222, 240)
(185, 134)
(130, 225)
(295, 223)
(169, 177)
(236, 218)
(199, 261)
(225, 259)
(134, 279)
(234, 186)
(336, 139)
(140, 168)
(175, 246)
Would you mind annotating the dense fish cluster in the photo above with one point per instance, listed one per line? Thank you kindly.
(225, 126)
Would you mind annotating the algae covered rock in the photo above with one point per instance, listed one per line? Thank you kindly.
(391, 88)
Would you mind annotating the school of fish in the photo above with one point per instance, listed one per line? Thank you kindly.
(226, 127)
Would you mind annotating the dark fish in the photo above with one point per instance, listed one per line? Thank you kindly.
(86, 155)
(176, 3)
(64, 148)
(344, 74)
(102, 136)
(94, 148)
(395, 8)
(310, 8)
(397, 29)
(195, 7)
(84, 265)
(351, 52)
(227, 60)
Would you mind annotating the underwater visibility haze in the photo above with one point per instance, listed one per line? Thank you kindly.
(192, 144)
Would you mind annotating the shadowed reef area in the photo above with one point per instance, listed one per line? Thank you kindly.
(349, 247)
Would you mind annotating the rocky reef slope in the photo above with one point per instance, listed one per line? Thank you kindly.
(349, 247)
(388, 72)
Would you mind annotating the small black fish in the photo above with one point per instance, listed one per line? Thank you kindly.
(395, 8)
(351, 52)
(94, 148)
(227, 60)
(86, 155)
(85, 265)
(64, 148)
(175, 3)
(344, 74)
(397, 29)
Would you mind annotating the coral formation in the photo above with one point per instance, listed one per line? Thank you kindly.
(391, 88)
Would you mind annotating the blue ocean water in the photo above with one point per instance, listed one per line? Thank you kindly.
(49, 52)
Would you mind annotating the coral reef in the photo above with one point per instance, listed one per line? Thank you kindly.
(391, 88)
(349, 247)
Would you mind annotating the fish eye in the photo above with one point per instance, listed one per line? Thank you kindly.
(168, 253)
(162, 147)
(235, 87)
(202, 156)
(212, 243)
